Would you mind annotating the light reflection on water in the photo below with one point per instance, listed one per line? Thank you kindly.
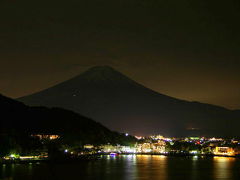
(151, 167)
(223, 167)
(129, 167)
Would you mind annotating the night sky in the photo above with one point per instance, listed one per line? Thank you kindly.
(189, 49)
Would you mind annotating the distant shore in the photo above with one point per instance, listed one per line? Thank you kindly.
(93, 157)
(180, 154)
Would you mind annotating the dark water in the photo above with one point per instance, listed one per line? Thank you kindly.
(129, 167)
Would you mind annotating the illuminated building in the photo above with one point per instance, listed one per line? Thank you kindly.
(139, 148)
(159, 147)
(109, 148)
(157, 137)
(119, 149)
(145, 148)
(88, 146)
(225, 151)
(46, 136)
(215, 139)
(127, 149)
(234, 141)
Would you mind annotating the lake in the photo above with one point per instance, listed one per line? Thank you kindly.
(128, 167)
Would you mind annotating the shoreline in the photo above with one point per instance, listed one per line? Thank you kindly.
(180, 155)
(86, 158)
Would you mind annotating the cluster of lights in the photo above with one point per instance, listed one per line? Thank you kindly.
(46, 136)
(153, 144)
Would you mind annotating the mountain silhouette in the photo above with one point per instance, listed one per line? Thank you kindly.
(18, 118)
(108, 96)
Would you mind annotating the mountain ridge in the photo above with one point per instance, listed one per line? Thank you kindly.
(120, 103)
(21, 119)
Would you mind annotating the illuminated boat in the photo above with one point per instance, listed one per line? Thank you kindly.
(113, 154)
